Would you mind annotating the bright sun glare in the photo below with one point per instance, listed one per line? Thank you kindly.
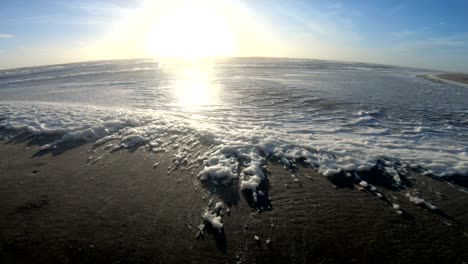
(190, 29)
(194, 88)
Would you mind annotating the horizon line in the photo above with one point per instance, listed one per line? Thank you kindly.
(232, 57)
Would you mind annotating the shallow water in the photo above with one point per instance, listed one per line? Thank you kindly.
(334, 116)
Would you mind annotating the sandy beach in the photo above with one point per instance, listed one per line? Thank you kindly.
(458, 79)
(63, 207)
(461, 78)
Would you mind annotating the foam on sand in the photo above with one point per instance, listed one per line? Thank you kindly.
(229, 158)
(247, 112)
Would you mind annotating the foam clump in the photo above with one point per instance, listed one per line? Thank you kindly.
(133, 140)
(430, 206)
(218, 206)
(213, 219)
(421, 202)
(414, 199)
(219, 170)
(226, 165)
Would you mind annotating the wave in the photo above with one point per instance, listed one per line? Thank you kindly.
(72, 75)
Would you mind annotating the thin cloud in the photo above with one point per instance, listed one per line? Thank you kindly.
(356, 13)
(336, 5)
(404, 33)
(396, 9)
(5, 36)
(315, 27)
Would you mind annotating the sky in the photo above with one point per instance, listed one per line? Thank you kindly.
(418, 33)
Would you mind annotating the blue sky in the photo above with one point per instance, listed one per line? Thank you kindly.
(418, 33)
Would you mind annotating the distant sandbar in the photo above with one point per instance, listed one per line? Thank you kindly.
(455, 77)
(459, 79)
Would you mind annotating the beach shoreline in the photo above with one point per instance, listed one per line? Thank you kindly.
(457, 79)
(63, 207)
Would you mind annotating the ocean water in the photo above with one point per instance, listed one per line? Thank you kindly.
(334, 116)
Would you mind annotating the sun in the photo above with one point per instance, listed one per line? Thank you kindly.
(190, 29)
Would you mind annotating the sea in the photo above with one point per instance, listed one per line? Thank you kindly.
(228, 118)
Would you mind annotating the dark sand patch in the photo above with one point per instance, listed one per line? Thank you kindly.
(122, 210)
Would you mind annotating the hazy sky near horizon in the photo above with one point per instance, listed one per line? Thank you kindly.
(418, 33)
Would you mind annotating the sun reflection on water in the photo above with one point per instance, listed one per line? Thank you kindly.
(194, 87)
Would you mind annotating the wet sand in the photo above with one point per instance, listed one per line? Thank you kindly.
(61, 207)
(456, 77)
